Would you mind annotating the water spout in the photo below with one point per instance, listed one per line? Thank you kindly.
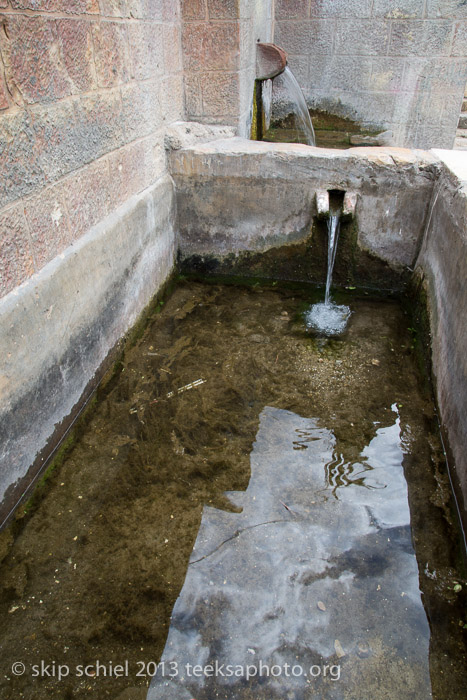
(329, 318)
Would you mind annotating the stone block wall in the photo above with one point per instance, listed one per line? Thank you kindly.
(396, 65)
(218, 43)
(86, 90)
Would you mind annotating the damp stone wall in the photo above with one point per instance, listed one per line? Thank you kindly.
(87, 236)
(390, 65)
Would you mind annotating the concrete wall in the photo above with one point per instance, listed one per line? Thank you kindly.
(218, 41)
(442, 262)
(86, 89)
(238, 195)
(60, 325)
(396, 65)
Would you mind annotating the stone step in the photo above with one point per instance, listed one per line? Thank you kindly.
(464, 106)
(462, 121)
(460, 144)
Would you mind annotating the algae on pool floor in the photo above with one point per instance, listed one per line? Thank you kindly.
(96, 567)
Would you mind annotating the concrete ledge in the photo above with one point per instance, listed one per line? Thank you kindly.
(237, 195)
(442, 262)
(58, 327)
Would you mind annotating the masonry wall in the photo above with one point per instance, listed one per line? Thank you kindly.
(219, 56)
(398, 65)
(86, 89)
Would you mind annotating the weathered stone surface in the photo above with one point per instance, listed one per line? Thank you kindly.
(172, 48)
(311, 37)
(95, 290)
(16, 260)
(442, 259)
(19, 163)
(362, 37)
(72, 133)
(28, 38)
(135, 167)
(184, 134)
(114, 8)
(211, 46)
(447, 9)
(76, 48)
(405, 9)
(459, 41)
(347, 9)
(220, 93)
(292, 9)
(193, 101)
(421, 38)
(147, 53)
(386, 74)
(47, 218)
(172, 98)
(78, 7)
(3, 94)
(111, 53)
(142, 112)
(88, 195)
(223, 9)
(193, 9)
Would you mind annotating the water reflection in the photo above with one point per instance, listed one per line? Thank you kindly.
(299, 579)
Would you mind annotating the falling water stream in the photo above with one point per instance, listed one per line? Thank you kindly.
(287, 87)
(329, 318)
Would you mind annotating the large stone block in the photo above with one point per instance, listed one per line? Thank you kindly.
(209, 46)
(75, 132)
(306, 37)
(171, 92)
(145, 9)
(142, 113)
(340, 8)
(28, 39)
(16, 260)
(135, 167)
(88, 195)
(77, 52)
(362, 37)
(147, 49)
(20, 165)
(193, 10)
(223, 9)
(220, 94)
(78, 7)
(172, 48)
(111, 53)
(404, 9)
(114, 8)
(292, 9)
(459, 42)
(420, 38)
(47, 217)
(440, 75)
(447, 9)
(386, 74)
(193, 99)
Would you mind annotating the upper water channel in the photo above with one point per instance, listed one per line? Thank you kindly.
(260, 511)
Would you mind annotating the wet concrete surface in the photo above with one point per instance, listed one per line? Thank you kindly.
(362, 571)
